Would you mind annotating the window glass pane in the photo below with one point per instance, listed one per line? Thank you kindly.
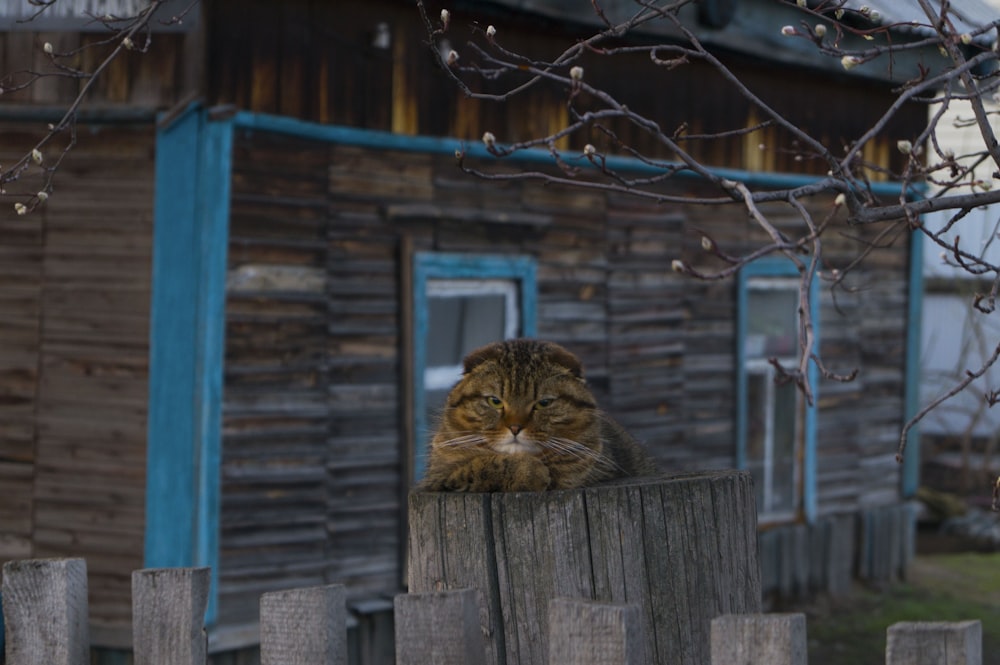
(771, 319)
(783, 474)
(459, 324)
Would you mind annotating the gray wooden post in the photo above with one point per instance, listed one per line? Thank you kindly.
(683, 549)
(168, 616)
(934, 643)
(45, 612)
(439, 627)
(304, 626)
(767, 639)
(584, 632)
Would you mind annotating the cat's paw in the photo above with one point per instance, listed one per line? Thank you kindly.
(526, 474)
(496, 473)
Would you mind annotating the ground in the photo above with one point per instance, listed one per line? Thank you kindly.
(939, 587)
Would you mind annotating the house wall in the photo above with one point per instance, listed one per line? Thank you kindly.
(74, 325)
(315, 444)
(314, 452)
(322, 62)
(315, 363)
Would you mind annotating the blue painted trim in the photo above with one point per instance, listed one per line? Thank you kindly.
(428, 265)
(914, 338)
(191, 217)
(777, 267)
(171, 440)
(449, 146)
(215, 175)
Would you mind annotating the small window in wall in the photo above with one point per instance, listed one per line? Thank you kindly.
(776, 428)
(461, 302)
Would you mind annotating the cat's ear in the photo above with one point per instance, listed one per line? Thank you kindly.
(481, 355)
(564, 358)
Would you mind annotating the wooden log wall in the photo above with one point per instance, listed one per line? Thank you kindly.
(862, 326)
(74, 290)
(21, 259)
(157, 78)
(314, 451)
(365, 63)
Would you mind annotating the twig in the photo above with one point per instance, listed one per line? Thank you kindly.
(956, 389)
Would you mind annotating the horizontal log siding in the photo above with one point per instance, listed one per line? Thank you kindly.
(275, 415)
(313, 458)
(21, 260)
(862, 326)
(74, 290)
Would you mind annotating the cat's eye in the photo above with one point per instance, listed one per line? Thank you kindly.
(544, 402)
(494, 401)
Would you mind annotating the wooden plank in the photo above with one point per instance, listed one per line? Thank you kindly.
(542, 551)
(934, 643)
(406, 212)
(588, 633)
(45, 612)
(439, 559)
(168, 616)
(774, 639)
(304, 626)
(438, 627)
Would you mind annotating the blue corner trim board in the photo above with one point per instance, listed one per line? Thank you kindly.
(191, 214)
(170, 457)
(428, 265)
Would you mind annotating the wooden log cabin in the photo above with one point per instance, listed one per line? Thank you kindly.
(222, 338)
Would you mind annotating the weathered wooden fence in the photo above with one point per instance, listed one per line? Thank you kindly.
(680, 549)
(45, 613)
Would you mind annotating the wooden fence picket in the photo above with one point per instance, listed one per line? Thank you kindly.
(45, 619)
(304, 626)
(45, 612)
(934, 643)
(584, 632)
(168, 616)
(440, 627)
(764, 639)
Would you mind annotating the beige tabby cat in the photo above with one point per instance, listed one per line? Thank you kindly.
(521, 419)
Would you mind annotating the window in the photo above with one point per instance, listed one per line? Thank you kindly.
(776, 437)
(460, 303)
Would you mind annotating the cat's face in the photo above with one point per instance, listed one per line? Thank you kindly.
(521, 396)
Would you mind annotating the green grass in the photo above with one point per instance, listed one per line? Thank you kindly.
(949, 587)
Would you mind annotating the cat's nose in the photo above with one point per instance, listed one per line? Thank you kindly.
(515, 429)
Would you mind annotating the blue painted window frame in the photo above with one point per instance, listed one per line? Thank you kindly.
(777, 268)
(435, 265)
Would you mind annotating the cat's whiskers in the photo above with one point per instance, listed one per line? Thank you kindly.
(581, 452)
(463, 441)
